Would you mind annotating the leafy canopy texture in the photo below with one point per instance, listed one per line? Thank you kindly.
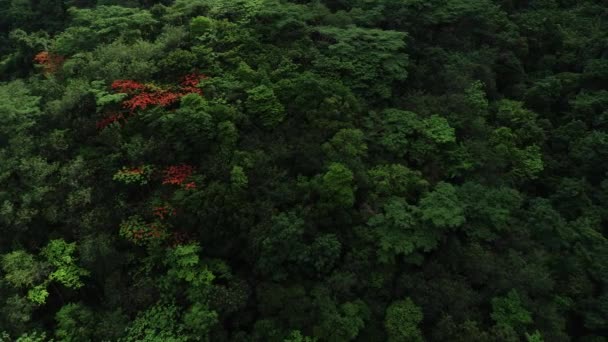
(402, 319)
(303, 170)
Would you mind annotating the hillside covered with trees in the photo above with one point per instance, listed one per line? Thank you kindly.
(304, 170)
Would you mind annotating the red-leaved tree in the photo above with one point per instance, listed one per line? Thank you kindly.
(50, 62)
(145, 95)
(179, 175)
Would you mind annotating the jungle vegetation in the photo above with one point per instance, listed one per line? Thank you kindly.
(304, 170)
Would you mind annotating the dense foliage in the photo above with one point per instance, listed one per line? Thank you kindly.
(305, 170)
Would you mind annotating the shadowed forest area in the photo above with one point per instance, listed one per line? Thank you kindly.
(304, 170)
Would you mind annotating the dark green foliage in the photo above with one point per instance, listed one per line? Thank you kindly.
(264, 106)
(402, 319)
(509, 312)
(368, 60)
(336, 187)
(74, 323)
(300, 171)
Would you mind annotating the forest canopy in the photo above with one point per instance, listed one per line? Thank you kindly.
(303, 170)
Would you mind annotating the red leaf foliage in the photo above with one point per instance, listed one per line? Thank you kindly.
(50, 62)
(136, 171)
(127, 86)
(190, 84)
(190, 186)
(163, 211)
(145, 99)
(178, 174)
(152, 232)
(180, 238)
(145, 95)
(116, 117)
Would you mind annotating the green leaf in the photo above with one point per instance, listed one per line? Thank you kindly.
(438, 130)
(38, 294)
(509, 311)
(402, 320)
(337, 187)
(21, 269)
(263, 104)
(442, 207)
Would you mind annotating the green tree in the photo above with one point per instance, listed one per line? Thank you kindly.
(158, 323)
(402, 320)
(184, 264)
(347, 146)
(102, 25)
(341, 322)
(282, 245)
(347, 154)
(398, 129)
(75, 322)
(396, 180)
(21, 269)
(57, 263)
(395, 229)
(296, 336)
(263, 104)
(442, 207)
(509, 311)
(370, 61)
(336, 186)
